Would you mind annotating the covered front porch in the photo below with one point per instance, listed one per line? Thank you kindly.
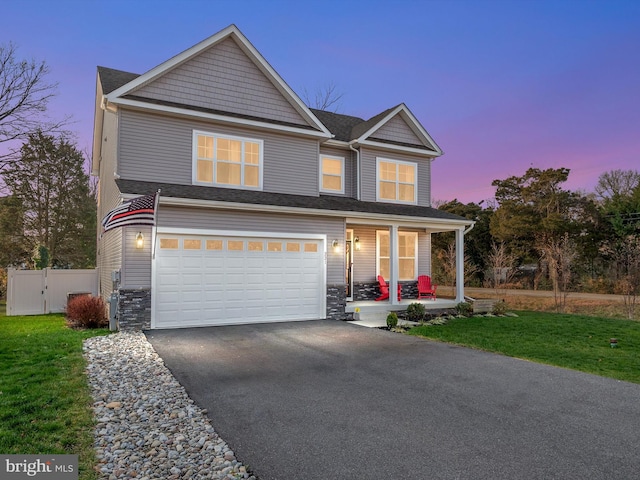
(399, 252)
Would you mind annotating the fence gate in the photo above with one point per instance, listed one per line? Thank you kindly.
(36, 292)
(25, 292)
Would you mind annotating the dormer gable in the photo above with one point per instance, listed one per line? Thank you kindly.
(221, 78)
(396, 127)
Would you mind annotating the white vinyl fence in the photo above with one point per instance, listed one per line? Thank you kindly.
(35, 292)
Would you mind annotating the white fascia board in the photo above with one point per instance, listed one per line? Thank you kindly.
(98, 119)
(399, 148)
(183, 112)
(238, 233)
(363, 218)
(421, 129)
(336, 143)
(375, 127)
(171, 63)
(246, 46)
(402, 108)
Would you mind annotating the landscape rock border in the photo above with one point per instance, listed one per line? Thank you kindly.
(147, 427)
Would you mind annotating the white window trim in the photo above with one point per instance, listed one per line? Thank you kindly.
(379, 233)
(415, 184)
(215, 136)
(326, 190)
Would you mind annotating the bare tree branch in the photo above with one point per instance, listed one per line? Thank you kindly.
(324, 98)
(24, 97)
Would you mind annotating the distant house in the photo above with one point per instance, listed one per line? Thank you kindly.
(269, 210)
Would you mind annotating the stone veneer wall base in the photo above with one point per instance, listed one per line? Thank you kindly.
(134, 309)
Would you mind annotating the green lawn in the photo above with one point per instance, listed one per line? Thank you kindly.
(45, 402)
(572, 341)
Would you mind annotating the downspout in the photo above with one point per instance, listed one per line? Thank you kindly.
(468, 229)
(358, 172)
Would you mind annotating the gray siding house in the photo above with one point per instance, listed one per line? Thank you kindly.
(268, 210)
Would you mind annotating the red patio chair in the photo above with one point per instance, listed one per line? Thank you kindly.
(425, 289)
(384, 289)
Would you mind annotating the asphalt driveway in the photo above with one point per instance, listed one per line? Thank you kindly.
(328, 400)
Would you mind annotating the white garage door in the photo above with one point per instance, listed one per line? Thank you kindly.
(222, 280)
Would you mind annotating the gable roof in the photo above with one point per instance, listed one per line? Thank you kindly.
(355, 130)
(129, 84)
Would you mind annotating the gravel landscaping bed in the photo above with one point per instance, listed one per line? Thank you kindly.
(147, 426)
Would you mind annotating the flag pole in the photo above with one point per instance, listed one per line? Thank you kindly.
(155, 224)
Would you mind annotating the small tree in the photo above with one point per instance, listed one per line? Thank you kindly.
(58, 207)
(559, 253)
(447, 265)
(627, 256)
(502, 265)
(40, 257)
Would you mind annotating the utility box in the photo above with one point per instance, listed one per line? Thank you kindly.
(113, 312)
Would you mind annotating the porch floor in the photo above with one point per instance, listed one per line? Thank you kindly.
(374, 314)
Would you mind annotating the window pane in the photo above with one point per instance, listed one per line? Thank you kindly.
(407, 268)
(384, 268)
(192, 244)
(331, 183)
(252, 153)
(228, 173)
(205, 171)
(387, 171)
(406, 245)
(214, 244)
(230, 150)
(205, 146)
(406, 193)
(388, 190)
(235, 245)
(310, 247)
(168, 243)
(256, 246)
(384, 244)
(251, 176)
(274, 246)
(293, 247)
(331, 166)
(406, 173)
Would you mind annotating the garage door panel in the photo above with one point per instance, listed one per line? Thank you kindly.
(214, 285)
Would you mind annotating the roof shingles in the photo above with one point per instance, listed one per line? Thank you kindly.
(324, 202)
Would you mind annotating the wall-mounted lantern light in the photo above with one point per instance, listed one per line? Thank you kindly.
(139, 240)
(356, 242)
(336, 246)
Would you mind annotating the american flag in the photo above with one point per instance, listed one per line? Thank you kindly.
(137, 211)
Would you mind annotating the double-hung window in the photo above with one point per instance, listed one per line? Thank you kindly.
(331, 174)
(227, 161)
(396, 181)
(407, 255)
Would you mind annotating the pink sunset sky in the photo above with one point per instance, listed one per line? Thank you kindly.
(500, 85)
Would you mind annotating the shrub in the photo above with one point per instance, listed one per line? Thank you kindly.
(392, 320)
(416, 312)
(464, 308)
(499, 308)
(86, 311)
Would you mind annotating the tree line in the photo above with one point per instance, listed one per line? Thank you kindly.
(537, 234)
(47, 202)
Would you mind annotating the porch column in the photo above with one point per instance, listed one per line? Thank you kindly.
(460, 265)
(393, 264)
